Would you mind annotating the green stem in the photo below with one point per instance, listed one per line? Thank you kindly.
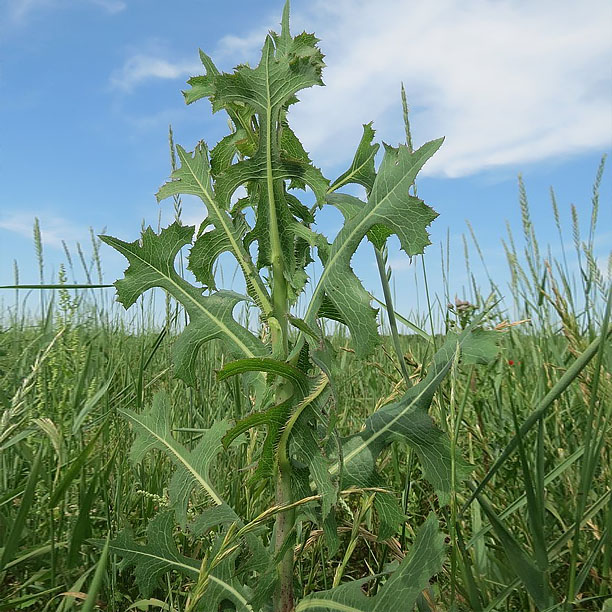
(384, 281)
(560, 386)
(284, 599)
(589, 462)
(285, 521)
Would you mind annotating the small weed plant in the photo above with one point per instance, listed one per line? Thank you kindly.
(286, 371)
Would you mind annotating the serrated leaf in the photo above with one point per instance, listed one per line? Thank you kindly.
(153, 430)
(328, 310)
(402, 587)
(257, 100)
(208, 247)
(210, 317)
(213, 517)
(202, 86)
(225, 150)
(361, 170)
(270, 366)
(287, 65)
(292, 150)
(350, 206)
(390, 514)
(305, 448)
(299, 210)
(390, 205)
(290, 65)
(312, 238)
(273, 418)
(408, 420)
(194, 177)
(161, 555)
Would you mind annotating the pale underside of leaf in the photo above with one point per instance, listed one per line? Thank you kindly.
(408, 420)
(389, 205)
(153, 430)
(152, 265)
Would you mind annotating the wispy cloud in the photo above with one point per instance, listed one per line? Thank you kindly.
(141, 67)
(53, 228)
(507, 83)
(155, 63)
(19, 10)
(241, 48)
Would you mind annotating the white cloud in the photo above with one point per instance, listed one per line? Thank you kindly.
(399, 263)
(241, 47)
(53, 229)
(140, 68)
(507, 83)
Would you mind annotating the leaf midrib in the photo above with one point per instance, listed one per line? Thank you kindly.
(143, 553)
(342, 248)
(207, 487)
(441, 374)
(353, 171)
(189, 568)
(244, 264)
(232, 590)
(197, 304)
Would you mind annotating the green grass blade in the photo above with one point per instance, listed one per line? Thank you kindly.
(12, 541)
(73, 471)
(519, 502)
(533, 578)
(409, 324)
(91, 403)
(562, 384)
(98, 578)
(87, 286)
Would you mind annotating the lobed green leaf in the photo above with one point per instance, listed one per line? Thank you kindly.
(408, 420)
(153, 430)
(391, 206)
(210, 317)
(402, 587)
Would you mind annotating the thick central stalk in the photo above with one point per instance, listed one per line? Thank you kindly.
(284, 600)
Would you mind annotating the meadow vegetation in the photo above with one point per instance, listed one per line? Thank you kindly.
(459, 460)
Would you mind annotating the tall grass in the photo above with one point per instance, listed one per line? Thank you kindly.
(538, 509)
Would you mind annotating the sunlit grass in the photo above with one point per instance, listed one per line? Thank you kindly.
(68, 366)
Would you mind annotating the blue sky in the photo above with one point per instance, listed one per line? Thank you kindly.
(88, 88)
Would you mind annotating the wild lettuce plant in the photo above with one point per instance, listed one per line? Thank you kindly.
(287, 370)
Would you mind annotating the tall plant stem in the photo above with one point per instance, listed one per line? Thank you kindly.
(380, 261)
(284, 600)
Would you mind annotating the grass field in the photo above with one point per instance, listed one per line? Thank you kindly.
(69, 363)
